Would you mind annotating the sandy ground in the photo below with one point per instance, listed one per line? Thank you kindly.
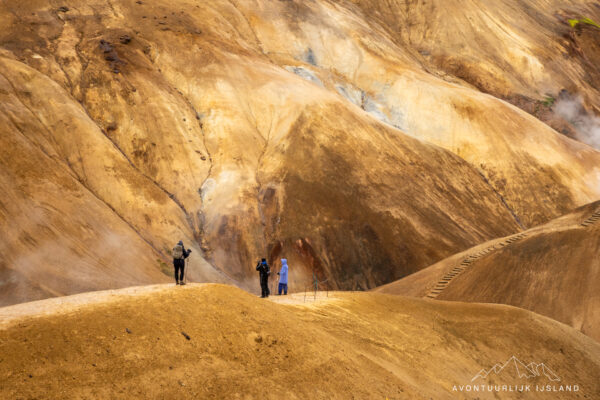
(71, 304)
(217, 341)
(52, 307)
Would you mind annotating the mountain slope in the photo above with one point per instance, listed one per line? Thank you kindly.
(261, 128)
(553, 270)
(530, 54)
(132, 343)
(49, 219)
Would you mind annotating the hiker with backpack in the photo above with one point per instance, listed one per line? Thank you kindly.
(179, 256)
(283, 277)
(263, 269)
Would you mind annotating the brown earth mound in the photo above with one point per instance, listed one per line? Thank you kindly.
(215, 341)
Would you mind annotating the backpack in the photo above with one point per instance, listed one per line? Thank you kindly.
(265, 268)
(178, 252)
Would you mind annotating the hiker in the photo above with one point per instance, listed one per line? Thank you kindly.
(263, 268)
(179, 256)
(283, 277)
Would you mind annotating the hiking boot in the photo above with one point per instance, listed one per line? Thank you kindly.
(177, 282)
(182, 283)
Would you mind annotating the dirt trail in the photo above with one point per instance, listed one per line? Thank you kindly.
(53, 307)
(307, 298)
(71, 304)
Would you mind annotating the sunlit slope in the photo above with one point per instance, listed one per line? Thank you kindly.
(57, 236)
(304, 173)
(553, 270)
(354, 53)
(525, 53)
(366, 345)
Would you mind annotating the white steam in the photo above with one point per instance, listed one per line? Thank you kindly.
(587, 126)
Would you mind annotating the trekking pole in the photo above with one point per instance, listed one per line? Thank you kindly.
(187, 263)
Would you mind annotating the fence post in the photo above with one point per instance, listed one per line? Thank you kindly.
(305, 294)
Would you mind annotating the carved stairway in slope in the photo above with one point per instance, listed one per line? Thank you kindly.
(466, 262)
(592, 219)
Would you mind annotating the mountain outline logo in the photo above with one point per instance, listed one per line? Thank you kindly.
(531, 370)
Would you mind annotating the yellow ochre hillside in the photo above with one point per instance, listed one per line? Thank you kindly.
(218, 342)
(552, 269)
(363, 140)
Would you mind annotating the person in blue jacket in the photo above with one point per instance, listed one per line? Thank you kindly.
(283, 277)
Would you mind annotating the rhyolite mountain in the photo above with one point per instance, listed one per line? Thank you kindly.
(362, 140)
